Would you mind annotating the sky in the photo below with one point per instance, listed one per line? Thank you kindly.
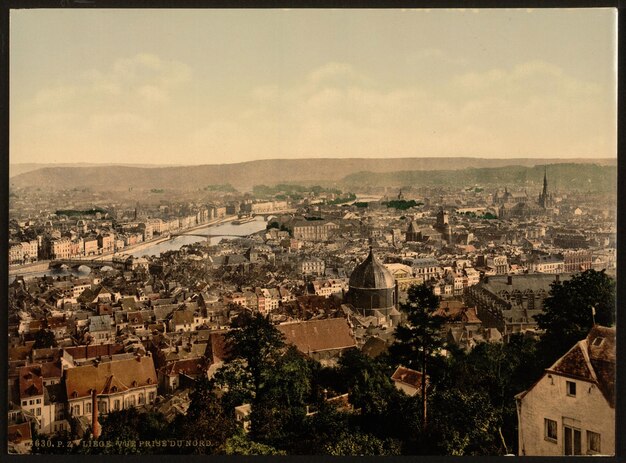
(221, 86)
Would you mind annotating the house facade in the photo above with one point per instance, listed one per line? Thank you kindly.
(570, 410)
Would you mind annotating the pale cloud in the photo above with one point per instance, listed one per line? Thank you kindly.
(119, 122)
(140, 78)
(533, 109)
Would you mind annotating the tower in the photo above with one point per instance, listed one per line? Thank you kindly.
(545, 198)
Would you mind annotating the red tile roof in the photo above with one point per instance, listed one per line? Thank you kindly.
(593, 360)
(94, 351)
(19, 432)
(31, 381)
(408, 376)
(318, 335)
(120, 374)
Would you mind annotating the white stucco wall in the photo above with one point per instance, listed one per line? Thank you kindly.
(588, 411)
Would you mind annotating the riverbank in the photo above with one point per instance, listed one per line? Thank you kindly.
(35, 267)
(43, 265)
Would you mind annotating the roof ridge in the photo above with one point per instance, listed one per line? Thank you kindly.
(584, 347)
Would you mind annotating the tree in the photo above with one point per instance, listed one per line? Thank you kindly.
(119, 428)
(368, 381)
(258, 342)
(44, 338)
(360, 444)
(235, 379)
(568, 311)
(241, 445)
(279, 408)
(418, 340)
(464, 423)
(205, 419)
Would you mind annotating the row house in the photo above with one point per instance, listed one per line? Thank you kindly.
(311, 266)
(330, 287)
(157, 226)
(90, 246)
(24, 252)
(187, 318)
(60, 248)
(42, 397)
(106, 243)
(426, 269)
(546, 264)
(577, 261)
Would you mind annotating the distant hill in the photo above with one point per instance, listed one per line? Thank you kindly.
(268, 172)
(21, 168)
(582, 177)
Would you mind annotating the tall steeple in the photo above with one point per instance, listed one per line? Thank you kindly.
(545, 182)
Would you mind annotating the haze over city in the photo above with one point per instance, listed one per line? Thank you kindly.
(223, 86)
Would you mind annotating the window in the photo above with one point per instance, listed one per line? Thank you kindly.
(116, 405)
(151, 397)
(593, 442)
(572, 439)
(598, 341)
(88, 407)
(38, 401)
(30, 402)
(571, 388)
(550, 429)
(24, 402)
(76, 410)
(38, 411)
(141, 398)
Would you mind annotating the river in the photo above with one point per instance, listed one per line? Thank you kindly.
(218, 233)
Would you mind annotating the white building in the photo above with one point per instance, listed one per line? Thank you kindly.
(570, 410)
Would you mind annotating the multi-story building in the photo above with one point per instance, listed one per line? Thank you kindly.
(91, 246)
(509, 303)
(426, 269)
(16, 254)
(546, 264)
(61, 248)
(577, 261)
(570, 410)
(313, 230)
(106, 243)
(119, 384)
(312, 266)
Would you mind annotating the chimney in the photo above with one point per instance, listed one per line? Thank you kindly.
(509, 280)
(95, 426)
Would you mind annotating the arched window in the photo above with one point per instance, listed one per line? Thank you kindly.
(142, 399)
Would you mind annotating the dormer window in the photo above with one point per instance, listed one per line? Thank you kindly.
(134, 384)
(597, 342)
(149, 381)
(74, 394)
(114, 389)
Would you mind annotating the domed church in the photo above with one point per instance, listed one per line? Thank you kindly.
(372, 287)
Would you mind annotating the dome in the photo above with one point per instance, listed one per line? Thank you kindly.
(371, 274)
